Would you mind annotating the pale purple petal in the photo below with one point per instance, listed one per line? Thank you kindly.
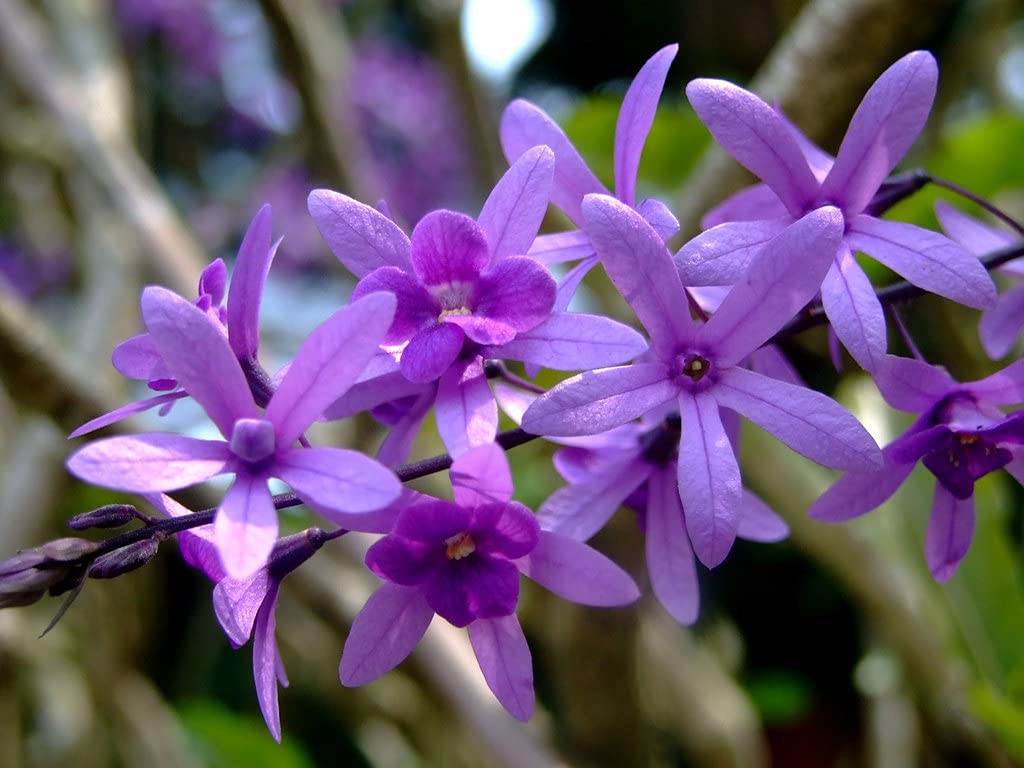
(670, 561)
(561, 247)
(482, 476)
(810, 423)
(636, 116)
(912, 385)
(950, 530)
(517, 291)
(466, 413)
(580, 510)
(1005, 387)
(431, 352)
(757, 202)
(661, 219)
(758, 522)
(415, 307)
(722, 255)
(373, 392)
(245, 527)
(515, 208)
(779, 283)
(578, 573)
(138, 358)
(266, 664)
(925, 258)
(641, 267)
(395, 448)
(119, 414)
(359, 236)
(1001, 326)
(197, 354)
(151, 462)
(818, 159)
(337, 479)
(972, 234)
(247, 279)
(524, 126)
(596, 401)
(573, 341)
(504, 658)
(448, 247)
(709, 479)
(889, 118)
(328, 363)
(196, 544)
(772, 361)
(569, 283)
(236, 604)
(753, 133)
(384, 633)
(854, 310)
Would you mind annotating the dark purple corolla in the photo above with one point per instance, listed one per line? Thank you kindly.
(800, 178)
(525, 125)
(465, 294)
(256, 446)
(461, 560)
(960, 436)
(1000, 326)
(698, 366)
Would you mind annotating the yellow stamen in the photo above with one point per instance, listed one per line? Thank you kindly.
(459, 546)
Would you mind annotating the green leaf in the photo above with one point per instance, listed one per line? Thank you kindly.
(226, 739)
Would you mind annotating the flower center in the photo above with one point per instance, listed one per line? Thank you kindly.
(455, 311)
(459, 546)
(696, 367)
(252, 440)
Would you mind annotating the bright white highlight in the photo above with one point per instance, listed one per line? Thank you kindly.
(500, 34)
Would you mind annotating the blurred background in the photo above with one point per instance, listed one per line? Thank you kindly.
(137, 139)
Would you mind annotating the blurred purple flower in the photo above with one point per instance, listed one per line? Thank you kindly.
(31, 275)
(187, 26)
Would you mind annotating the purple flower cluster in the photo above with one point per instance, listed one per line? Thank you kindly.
(650, 421)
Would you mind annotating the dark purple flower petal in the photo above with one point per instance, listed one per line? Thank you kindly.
(447, 592)
(950, 530)
(432, 521)
(416, 308)
(448, 248)
(431, 352)
(404, 561)
(517, 291)
(513, 533)
(491, 585)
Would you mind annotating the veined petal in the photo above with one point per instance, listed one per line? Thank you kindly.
(515, 208)
(524, 126)
(447, 248)
(658, 215)
(1001, 326)
(573, 341)
(517, 291)
(266, 663)
(236, 604)
(482, 476)
(757, 202)
(636, 116)
(758, 522)
(670, 561)
(196, 544)
(709, 479)
(359, 236)
(431, 352)
(415, 308)
(328, 363)
(245, 527)
(641, 267)
(596, 401)
(889, 118)
(810, 423)
(753, 133)
(722, 255)
(1005, 387)
(383, 634)
(138, 358)
(247, 279)
(912, 385)
(148, 463)
(950, 530)
(337, 479)
(466, 413)
(504, 658)
(119, 414)
(854, 310)
(561, 247)
(925, 258)
(578, 573)
(373, 392)
(197, 354)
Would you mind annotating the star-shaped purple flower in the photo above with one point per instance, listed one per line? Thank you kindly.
(960, 436)
(462, 560)
(525, 125)
(256, 447)
(699, 365)
(889, 118)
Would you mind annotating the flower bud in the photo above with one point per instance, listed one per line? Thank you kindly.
(67, 549)
(123, 560)
(109, 516)
(30, 580)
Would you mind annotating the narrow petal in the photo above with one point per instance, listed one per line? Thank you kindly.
(670, 561)
(709, 479)
(337, 479)
(383, 634)
(810, 423)
(925, 258)
(596, 401)
(245, 527)
(149, 463)
(196, 544)
(448, 247)
(197, 354)
(328, 363)
(573, 341)
(757, 202)
(373, 392)
(247, 279)
(661, 219)
(515, 208)
(889, 118)
(1005, 387)
(1001, 326)
(358, 235)
(641, 267)
(415, 308)
(504, 658)
(431, 352)
(138, 358)
(912, 385)
(397, 446)
(771, 361)
(973, 235)
(581, 509)
(517, 291)
(119, 414)
(561, 247)
(722, 255)
(466, 413)
(236, 604)
(524, 126)
(753, 133)
(854, 310)
(578, 573)
(779, 283)
(569, 283)
(950, 530)
(636, 116)
(266, 661)
(758, 522)
(482, 476)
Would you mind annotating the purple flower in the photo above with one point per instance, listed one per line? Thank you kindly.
(886, 123)
(1001, 325)
(699, 366)
(257, 446)
(462, 560)
(525, 125)
(465, 294)
(960, 436)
